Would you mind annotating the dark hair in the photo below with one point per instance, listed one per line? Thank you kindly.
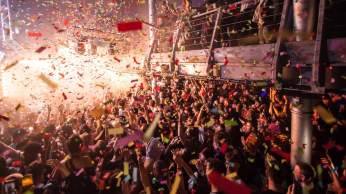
(307, 170)
(74, 144)
(31, 151)
(216, 165)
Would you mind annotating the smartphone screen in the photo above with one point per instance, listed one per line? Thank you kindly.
(10, 187)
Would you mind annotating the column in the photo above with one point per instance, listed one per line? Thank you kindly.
(152, 20)
(304, 18)
(301, 130)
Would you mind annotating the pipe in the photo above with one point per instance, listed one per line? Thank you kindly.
(301, 130)
(304, 18)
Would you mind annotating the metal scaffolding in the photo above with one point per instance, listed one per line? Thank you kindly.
(5, 21)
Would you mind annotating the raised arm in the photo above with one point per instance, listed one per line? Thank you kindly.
(144, 175)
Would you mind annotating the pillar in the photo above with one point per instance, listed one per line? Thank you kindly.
(304, 18)
(301, 130)
(152, 20)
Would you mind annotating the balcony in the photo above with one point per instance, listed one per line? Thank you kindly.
(244, 41)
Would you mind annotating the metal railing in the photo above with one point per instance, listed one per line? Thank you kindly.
(236, 24)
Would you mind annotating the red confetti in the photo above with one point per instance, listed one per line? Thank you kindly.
(62, 75)
(134, 60)
(35, 34)
(129, 26)
(16, 163)
(170, 40)
(225, 61)
(64, 95)
(135, 80)
(202, 92)
(232, 7)
(41, 49)
(80, 98)
(157, 88)
(116, 59)
(66, 22)
(57, 28)
(177, 61)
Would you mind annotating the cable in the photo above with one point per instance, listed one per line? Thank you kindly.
(228, 24)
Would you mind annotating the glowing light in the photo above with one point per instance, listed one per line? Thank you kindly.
(83, 78)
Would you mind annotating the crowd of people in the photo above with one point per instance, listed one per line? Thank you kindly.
(176, 135)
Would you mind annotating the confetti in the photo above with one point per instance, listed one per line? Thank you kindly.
(66, 22)
(231, 123)
(232, 7)
(11, 65)
(225, 61)
(64, 96)
(116, 131)
(41, 49)
(126, 168)
(34, 34)
(47, 81)
(122, 142)
(129, 26)
(18, 107)
(115, 58)
(135, 60)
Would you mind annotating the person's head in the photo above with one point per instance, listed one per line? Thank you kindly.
(326, 100)
(158, 166)
(303, 173)
(31, 152)
(74, 145)
(215, 165)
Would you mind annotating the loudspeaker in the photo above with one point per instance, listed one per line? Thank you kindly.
(335, 77)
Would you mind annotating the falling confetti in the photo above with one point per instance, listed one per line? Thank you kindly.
(129, 26)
